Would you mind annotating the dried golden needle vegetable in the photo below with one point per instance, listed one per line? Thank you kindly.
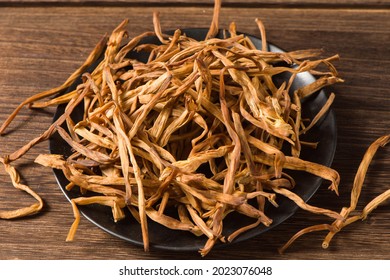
(95, 54)
(15, 178)
(151, 130)
(345, 212)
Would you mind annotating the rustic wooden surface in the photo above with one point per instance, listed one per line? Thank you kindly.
(41, 44)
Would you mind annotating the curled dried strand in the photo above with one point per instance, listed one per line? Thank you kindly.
(15, 179)
(345, 212)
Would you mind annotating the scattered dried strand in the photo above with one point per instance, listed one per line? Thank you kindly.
(345, 212)
(15, 179)
(95, 54)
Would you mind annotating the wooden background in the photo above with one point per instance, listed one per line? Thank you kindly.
(42, 42)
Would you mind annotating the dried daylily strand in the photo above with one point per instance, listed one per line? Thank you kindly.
(303, 232)
(49, 132)
(299, 201)
(264, 46)
(357, 188)
(95, 54)
(15, 179)
(339, 224)
(373, 204)
(214, 27)
(363, 167)
(295, 163)
(320, 113)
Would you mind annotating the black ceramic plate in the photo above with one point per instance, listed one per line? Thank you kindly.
(163, 238)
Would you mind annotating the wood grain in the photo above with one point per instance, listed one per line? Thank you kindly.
(41, 46)
(206, 3)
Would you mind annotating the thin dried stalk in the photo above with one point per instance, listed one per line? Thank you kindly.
(214, 27)
(303, 232)
(15, 179)
(95, 54)
(357, 188)
(320, 113)
(345, 212)
(299, 201)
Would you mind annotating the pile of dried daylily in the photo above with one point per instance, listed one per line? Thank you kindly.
(150, 129)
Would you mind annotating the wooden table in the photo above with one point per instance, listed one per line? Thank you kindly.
(42, 42)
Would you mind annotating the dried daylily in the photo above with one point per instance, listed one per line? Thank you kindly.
(345, 212)
(199, 127)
